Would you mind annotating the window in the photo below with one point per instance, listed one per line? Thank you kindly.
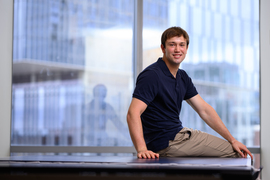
(72, 66)
(222, 59)
(72, 72)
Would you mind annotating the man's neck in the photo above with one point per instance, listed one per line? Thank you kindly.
(172, 68)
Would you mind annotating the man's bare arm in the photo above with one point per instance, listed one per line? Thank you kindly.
(137, 107)
(210, 116)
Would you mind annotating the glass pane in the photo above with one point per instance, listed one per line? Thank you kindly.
(222, 59)
(72, 72)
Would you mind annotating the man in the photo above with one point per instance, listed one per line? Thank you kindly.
(153, 115)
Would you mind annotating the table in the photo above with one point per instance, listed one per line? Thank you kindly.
(125, 167)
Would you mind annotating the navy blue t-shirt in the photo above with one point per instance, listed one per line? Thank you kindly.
(163, 94)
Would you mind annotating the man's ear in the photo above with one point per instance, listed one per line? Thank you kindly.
(162, 48)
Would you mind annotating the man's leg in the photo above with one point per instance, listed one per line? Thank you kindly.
(189, 142)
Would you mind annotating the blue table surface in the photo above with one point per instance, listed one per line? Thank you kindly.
(129, 160)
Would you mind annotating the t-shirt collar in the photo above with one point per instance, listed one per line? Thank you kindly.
(164, 68)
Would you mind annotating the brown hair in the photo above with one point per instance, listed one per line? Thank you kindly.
(172, 32)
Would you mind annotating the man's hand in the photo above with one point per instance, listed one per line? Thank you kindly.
(241, 149)
(147, 154)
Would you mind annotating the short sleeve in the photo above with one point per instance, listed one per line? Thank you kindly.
(146, 86)
(191, 90)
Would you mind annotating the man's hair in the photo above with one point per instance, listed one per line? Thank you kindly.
(172, 32)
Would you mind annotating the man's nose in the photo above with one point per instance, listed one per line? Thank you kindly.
(177, 48)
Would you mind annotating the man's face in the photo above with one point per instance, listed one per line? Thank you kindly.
(175, 51)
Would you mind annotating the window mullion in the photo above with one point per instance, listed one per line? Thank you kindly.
(137, 38)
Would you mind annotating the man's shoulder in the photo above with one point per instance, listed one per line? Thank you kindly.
(183, 73)
(150, 75)
(153, 66)
(152, 69)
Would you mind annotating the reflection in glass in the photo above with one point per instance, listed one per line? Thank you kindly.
(62, 49)
(99, 113)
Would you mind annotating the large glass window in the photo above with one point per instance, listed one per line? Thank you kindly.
(72, 66)
(222, 59)
(72, 72)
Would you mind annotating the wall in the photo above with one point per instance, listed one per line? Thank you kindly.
(6, 20)
(265, 86)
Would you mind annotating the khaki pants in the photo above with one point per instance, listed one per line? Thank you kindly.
(189, 142)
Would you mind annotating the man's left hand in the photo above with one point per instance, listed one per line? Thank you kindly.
(241, 149)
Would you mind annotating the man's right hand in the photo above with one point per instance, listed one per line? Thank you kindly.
(147, 155)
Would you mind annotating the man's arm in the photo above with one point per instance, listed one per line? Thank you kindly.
(210, 116)
(136, 108)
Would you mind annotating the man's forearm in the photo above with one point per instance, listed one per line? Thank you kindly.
(137, 107)
(136, 132)
(214, 121)
(210, 116)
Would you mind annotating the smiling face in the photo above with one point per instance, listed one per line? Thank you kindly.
(175, 51)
